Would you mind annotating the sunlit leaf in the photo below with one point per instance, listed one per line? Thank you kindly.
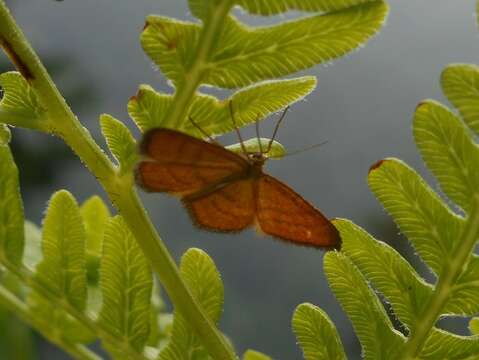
(19, 105)
(120, 142)
(62, 269)
(148, 108)
(366, 312)
(126, 283)
(245, 55)
(203, 279)
(460, 83)
(421, 215)
(447, 148)
(316, 334)
(11, 210)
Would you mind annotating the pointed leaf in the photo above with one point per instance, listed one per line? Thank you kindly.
(251, 104)
(245, 55)
(149, 107)
(62, 269)
(120, 142)
(203, 279)
(449, 151)
(421, 215)
(316, 334)
(366, 312)
(391, 274)
(126, 283)
(19, 105)
(11, 210)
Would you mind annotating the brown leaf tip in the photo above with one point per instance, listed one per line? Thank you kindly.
(421, 104)
(376, 165)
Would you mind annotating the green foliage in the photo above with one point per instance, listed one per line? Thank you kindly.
(11, 209)
(243, 55)
(62, 269)
(149, 108)
(120, 142)
(203, 279)
(238, 56)
(86, 276)
(313, 329)
(19, 106)
(126, 283)
(460, 83)
(443, 238)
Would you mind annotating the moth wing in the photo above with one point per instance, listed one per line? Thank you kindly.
(230, 208)
(284, 214)
(174, 162)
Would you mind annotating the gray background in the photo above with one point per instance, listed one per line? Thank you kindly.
(363, 106)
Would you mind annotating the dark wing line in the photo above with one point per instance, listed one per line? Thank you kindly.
(217, 185)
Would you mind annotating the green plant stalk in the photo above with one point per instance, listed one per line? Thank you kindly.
(120, 189)
(449, 274)
(16, 306)
(187, 87)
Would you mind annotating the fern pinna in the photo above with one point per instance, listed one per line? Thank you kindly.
(444, 235)
(87, 275)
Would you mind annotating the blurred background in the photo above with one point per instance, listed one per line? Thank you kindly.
(363, 106)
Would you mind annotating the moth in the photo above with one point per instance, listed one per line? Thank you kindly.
(225, 191)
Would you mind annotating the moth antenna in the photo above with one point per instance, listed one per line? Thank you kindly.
(276, 129)
(230, 105)
(296, 152)
(202, 131)
(257, 134)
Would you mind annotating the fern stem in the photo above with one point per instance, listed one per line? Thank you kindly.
(186, 88)
(120, 189)
(451, 271)
(16, 306)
